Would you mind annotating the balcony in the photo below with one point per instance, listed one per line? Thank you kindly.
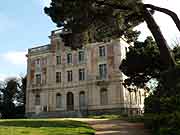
(101, 81)
(36, 87)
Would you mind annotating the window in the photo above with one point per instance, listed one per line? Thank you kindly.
(103, 97)
(140, 97)
(58, 60)
(69, 58)
(38, 79)
(82, 100)
(102, 51)
(37, 99)
(37, 65)
(81, 56)
(44, 61)
(69, 76)
(58, 100)
(81, 74)
(58, 77)
(103, 71)
(135, 97)
(58, 45)
(44, 77)
(38, 61)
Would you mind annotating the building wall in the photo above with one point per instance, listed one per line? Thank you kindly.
(118, 97)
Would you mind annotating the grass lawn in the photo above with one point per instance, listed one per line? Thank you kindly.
(44, 127)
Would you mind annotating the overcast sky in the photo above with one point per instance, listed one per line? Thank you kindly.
(24, 25)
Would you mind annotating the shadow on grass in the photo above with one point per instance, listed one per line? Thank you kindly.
(44, 123)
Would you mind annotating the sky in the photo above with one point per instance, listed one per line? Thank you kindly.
(24, 25)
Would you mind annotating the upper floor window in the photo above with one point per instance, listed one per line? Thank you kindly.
(44, 61)
(102, 51)
(37, 65)
(69, 76)
(69, 58)
(81, 74)
(38, 61)
(103, 71)
(58, 60)
(58, 77)
(81, 56)
(58, 45)
(38, 79)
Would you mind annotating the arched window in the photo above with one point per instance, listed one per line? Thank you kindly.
(103, 97)
(37, 99)
(58, 100)
(82, 101)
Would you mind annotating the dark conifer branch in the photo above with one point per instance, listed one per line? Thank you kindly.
(166, 11)
(165, 53)
(115, 6)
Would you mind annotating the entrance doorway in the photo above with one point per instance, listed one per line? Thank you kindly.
(70, 101)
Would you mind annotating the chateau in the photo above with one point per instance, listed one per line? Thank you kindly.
(62, 82)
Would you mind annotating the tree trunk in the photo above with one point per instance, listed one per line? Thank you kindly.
(165, 54)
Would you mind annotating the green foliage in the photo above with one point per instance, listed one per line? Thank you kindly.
(96, 20)
(44, 127)
(169, 82)
(152, 104)
(13, 91)
(162, 108)
(135, 119)
(21, 93)
(9, 89)
(142, 63)
(176, 52)
(163, 123)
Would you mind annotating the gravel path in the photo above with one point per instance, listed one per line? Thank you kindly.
(116, 127)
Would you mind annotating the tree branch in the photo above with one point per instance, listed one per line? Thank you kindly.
(165, 53)
(166, 11)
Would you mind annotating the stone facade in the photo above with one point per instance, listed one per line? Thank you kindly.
(71, 83)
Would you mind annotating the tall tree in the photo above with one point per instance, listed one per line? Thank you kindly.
(142, 63)
(112, 17)
(14, 97)
(9, 89)
(21, 93)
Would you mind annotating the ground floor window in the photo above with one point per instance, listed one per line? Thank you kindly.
(58, 100)
(82, 101)
(70, 101)
(103, 96)
(37, 99)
